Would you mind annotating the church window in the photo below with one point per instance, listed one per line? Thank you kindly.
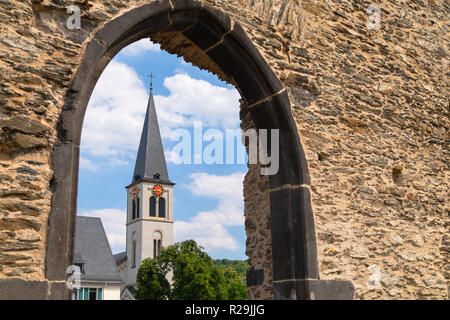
(152, 207)
(137, 208)
(162, 207)
(133, 211)
(156, 248)
(133, 255)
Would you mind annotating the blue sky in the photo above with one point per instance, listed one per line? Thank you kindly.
(208, 201)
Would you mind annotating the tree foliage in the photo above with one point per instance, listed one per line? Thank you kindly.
(152, 281)
(238, 265)
(236, 289)
(192, 275)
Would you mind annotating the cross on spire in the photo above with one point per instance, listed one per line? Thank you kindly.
(151, 76)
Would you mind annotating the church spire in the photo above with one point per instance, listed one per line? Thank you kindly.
(150, 161)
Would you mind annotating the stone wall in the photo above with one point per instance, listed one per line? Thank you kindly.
(371, 107)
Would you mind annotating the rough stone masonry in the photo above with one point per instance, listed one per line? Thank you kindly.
(371, 107)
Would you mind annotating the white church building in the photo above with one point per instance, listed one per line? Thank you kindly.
(149, 223)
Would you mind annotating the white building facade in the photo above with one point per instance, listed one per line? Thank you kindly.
(149, 224)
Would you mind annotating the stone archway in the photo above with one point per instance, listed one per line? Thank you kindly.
(220, 45)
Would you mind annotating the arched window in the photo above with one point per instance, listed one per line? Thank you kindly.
(133, 250)
(152, 207)
(157, 239)
(156, 248)
(133, 211)
(133, 253)
(162, 207)
(137, 208)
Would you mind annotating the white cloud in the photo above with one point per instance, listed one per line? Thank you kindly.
(87, 164)
(114, 223)
(208, 228)
(173, 157)
(116, 111)
(214, 237)
(193, 99)
(140, 47)
(115, 114)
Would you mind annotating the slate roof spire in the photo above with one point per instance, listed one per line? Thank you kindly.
(150, 161)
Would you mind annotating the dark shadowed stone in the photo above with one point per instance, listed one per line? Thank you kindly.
(240, 35)
(255, 277)
(185, 4)
(144, 29)
(60, 237)
(232, 59)
(5, 177)
(27, 170)
(23, 124)
(59, 291)
(276, 114)
(294, 253)
(122, 24)
(6, 246)
(181, 20)
(19, 224)
(94, 52)
(25, 209)
(281, 235)
(304, 234)
(314, 290)
(11, 259)
(219, 16)
(35, 163)
(301, 96)
(206, 32)
(18, 289)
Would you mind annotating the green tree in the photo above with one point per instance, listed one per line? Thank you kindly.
(238, 265)
(194, 275)
(192, 272)
(152, 282)
(236, 289)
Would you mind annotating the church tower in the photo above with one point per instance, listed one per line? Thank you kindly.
(150, 200)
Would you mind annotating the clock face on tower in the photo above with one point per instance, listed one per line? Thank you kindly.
(158, 190)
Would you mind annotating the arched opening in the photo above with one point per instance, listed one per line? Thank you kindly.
(157, 240)
(209, 39)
